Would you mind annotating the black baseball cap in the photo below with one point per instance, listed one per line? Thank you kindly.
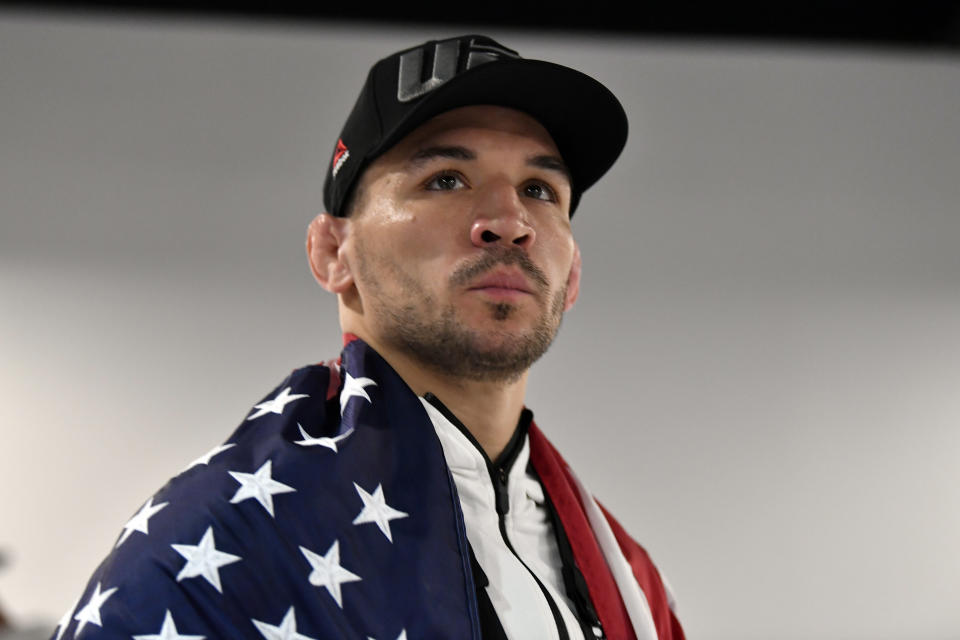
(407, 88)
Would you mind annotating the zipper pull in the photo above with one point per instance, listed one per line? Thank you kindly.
(500, 490)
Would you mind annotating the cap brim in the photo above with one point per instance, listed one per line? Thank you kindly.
(587, 122)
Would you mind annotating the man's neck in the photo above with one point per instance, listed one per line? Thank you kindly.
(489, 410)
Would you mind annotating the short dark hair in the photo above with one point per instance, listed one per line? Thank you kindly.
(354, 198)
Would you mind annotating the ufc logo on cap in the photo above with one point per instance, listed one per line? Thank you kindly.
(446, 60)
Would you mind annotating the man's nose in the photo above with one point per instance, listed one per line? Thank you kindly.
(501, 219)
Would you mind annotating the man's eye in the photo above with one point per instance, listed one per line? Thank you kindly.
(539, 191)
(445, 182)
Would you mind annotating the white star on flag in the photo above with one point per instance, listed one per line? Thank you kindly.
(376, 510)
(402, 636)
(140, 520)
(259, 485)
(91, 611)
(277, 404)
(327, 571)
(168, 631)
(65, 620)
(203, 559)
(310, 441)
(354, 387)
(205, 458)
(286, 631)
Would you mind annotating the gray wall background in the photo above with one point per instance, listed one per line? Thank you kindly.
(760, 379)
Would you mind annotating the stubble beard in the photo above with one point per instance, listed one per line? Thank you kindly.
(438, 339)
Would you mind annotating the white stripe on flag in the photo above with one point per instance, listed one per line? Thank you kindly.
(633, 597)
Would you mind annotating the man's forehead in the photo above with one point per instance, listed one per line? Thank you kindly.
(450, 127)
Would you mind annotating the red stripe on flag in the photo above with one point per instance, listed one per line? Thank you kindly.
(561, 487)
(586, 552)
(668, 627)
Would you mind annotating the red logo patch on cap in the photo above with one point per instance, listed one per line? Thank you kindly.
(340, 156)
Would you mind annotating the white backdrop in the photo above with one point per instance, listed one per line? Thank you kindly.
(761, 378)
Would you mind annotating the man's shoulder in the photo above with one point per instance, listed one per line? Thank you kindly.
(219, 525)
(654, 585)
(291, 417)
(324, 499)
(632, 550)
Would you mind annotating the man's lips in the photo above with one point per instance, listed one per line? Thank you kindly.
(503, 282)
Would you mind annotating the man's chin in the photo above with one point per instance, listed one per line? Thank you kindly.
(474, 342)
(501, 317)
(504, 352)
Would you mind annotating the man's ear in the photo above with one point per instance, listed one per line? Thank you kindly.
(573, 279)
(325, 239)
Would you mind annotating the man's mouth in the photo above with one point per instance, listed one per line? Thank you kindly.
(503, 283)
(508, 275)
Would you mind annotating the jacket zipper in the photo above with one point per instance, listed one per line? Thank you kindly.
(499, 478)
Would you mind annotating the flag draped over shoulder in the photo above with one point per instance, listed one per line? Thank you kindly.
(329, 513)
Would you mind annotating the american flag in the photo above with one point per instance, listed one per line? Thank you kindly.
(329, 513)
(320, 517)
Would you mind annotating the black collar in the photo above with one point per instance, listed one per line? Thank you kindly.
(509, 454)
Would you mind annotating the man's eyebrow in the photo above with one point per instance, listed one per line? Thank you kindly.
(550, 163)
(449, 152)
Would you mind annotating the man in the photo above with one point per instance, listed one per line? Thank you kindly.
(404, 491)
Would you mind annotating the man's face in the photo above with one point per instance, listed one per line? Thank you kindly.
(460, 244)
